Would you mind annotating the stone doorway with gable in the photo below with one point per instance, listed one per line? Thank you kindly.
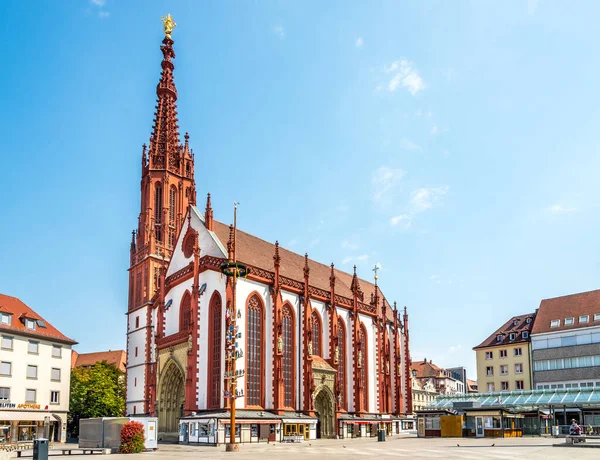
(323, 397)
(171, 396)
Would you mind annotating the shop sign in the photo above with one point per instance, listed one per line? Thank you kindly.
(8, 405)
(28, 406)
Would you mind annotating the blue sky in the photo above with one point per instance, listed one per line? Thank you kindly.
(454, 143)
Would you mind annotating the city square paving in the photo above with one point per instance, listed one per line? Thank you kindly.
(395, 447)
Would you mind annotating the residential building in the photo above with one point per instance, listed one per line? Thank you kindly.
(115, 357)
(316, 343)
(503, 362)
(471, 386)
(442, 379)
(423, 393)
(35, 374)
(566, 342)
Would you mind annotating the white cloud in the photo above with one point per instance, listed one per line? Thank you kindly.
(279, 31)
(103, 14)
(434, 277)
(384, 179)
(404, 220)
(359, 42)
(407, 144)
(349, 244)
(98, 2)
(561, 209)
(405, 76)
(434, 130)
(360, 258)
(425, 198)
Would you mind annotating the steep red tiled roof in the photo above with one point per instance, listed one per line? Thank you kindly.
(259, 253)
(115, 357)
(471, 385)
(426, 369)
(509, 327)
(19, 311)
(568, 306)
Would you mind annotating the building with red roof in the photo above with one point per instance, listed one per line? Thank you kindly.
(294, 318)
(35, 371)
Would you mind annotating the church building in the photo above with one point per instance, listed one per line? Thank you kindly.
(320, 352)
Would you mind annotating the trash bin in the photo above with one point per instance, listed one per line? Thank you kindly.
(380, 435)
(40, 449)
(555, 430)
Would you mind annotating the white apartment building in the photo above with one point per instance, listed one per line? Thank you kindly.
(35, 375)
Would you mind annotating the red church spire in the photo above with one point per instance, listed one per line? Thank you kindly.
(165, 149)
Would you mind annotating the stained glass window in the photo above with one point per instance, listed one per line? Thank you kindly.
(185, 312)
(254, 352)
(341, 336)
(288, 356)
(316, 334)
(364, 384)
(215, 365)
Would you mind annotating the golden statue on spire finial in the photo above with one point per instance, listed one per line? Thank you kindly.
(168, 25)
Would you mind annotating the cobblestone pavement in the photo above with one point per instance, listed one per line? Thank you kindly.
(394, 447)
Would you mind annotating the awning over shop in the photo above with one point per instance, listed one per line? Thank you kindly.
(23, 415)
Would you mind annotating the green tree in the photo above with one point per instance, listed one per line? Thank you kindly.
(97, 391)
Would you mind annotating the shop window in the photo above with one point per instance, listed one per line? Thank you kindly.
(203, 429)
(33, 347)
(228, 431)
(254, 430)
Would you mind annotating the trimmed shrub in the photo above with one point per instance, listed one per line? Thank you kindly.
(132, 438)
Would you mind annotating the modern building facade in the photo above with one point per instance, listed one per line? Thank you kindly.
(314, 341)
(35, 375)
(503, 359)
(566, 342)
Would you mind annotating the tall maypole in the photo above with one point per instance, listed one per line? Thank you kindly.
(233, 270)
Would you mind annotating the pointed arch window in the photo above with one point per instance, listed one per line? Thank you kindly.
(185, 312)
(215, 343)
(316, 334)
(158, 199)
(254, 351)
(287, 327)
(341, 343)
(363, 373)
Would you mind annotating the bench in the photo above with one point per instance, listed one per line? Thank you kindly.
(70, 451)
(574, 438)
